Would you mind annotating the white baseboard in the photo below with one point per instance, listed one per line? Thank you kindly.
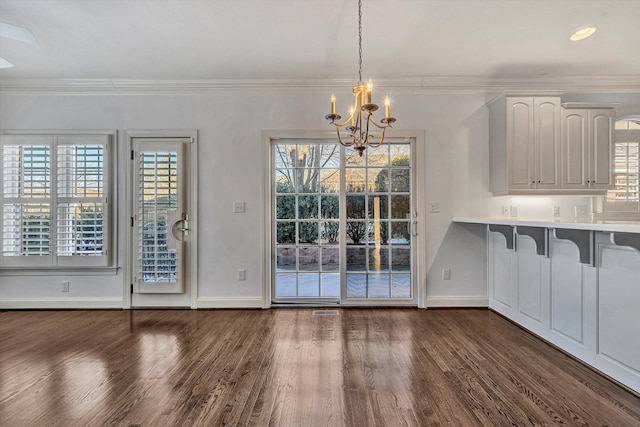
(457, 302)
(60, 303)
(208, 302)
(203, 302)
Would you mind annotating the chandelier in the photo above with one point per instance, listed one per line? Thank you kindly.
(361, 112)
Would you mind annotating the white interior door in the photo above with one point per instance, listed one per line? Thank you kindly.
(160, 222)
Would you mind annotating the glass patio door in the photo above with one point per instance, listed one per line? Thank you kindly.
(343, 225)
(379, 224)
(306, 204)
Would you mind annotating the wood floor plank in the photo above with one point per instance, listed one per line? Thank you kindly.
(289, 367)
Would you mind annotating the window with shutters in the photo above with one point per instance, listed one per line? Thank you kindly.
(625, 197)
(54, 198)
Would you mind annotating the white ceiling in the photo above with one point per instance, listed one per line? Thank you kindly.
(317, 39)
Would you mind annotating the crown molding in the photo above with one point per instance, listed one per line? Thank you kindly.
(404, 85)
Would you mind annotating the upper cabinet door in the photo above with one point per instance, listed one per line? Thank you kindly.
(575, 149)
(601, 124)
(546, 144)
(520, 142)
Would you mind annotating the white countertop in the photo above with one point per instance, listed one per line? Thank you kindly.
(577, 224)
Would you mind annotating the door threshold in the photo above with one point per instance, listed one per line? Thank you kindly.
(304, 305)
(160, 307)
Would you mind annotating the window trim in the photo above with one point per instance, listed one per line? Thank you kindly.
(106, 264)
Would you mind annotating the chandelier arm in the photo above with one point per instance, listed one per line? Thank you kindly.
(374, 144)
(343, 123)
(340, 139)
(381, 137)
(366, 135)
(380, 126)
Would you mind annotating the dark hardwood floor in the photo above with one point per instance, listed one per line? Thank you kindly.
(289, 367)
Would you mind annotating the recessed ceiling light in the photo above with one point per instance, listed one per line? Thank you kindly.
(582, 34)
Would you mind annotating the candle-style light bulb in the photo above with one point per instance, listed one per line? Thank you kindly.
(351, 110)
(333, 104)
(369, 91)
(387, 107)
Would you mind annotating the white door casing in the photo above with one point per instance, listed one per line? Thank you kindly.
(161, 187)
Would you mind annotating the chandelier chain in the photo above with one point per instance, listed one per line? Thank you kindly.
(360, 40)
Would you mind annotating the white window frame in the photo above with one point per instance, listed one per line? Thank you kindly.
(52, 262)
(630, 208)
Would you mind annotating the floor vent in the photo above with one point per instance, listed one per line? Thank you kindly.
(325, 312)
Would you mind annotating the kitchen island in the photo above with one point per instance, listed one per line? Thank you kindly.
(574, 283)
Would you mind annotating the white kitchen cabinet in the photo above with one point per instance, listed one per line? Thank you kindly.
(525, 144)
(500, 266)
(587, 149)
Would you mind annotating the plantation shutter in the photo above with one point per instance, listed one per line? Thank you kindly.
(54, 200)
(81, 214)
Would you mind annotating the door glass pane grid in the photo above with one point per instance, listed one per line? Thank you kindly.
(157, 196)
(307, 220)
(309, 272)
(378, 233)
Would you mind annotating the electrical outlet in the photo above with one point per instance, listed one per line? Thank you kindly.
(581, 210)
(242, 275)
(65, 286)
(238, 207)
(446, 274)
(505, 210)
(513, 211)
(555, 210)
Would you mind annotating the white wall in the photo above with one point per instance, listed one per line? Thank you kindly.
(230, 166)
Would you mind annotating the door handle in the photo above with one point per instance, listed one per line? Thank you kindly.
(180, 229)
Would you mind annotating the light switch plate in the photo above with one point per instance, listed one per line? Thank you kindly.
(434, 207)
